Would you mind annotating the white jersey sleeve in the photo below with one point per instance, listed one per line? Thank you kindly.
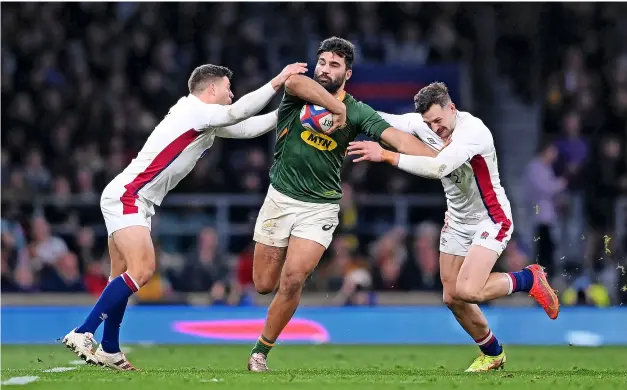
(471, 139)
(413, 124)
(407, 123)
(250, 128)
(216, 115)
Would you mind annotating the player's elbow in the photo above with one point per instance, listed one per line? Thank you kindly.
(291, 83)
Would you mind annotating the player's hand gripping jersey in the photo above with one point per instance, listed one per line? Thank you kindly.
(468, 168)
(307, 163)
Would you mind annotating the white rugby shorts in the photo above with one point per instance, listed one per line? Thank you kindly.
(456, 237)
(281, 217)
(121, 209)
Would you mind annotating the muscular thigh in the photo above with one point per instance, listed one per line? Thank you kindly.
(303, 256)
(267, 262)
(134, 245)
(449, 270)
(476, 269)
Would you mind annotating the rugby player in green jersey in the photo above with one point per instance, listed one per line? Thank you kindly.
(300, 212)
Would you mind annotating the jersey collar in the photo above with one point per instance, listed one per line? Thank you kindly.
(342, 96)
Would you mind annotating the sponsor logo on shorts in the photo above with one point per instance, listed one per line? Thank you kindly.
(485, 235)
(328, 227)
(318, 140)
(269, 226)
(443, 241)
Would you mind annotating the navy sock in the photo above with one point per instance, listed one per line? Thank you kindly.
(489, 345)
(521, 280)
(113, 297)
(111, 334)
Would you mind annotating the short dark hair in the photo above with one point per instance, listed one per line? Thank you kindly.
(339, 46)
(200, 77)
(434, 93)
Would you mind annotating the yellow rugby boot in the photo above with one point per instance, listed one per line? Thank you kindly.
(488, 363)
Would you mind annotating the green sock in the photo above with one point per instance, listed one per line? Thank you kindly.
(263, 346)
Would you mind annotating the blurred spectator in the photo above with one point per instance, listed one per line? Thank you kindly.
(62, 275)
(97, 276)
(606, 180)
(389, 254)
(573, 152)
(45, 249)
(542, 187)
(421, 271)
(343, 262)
(205, 268)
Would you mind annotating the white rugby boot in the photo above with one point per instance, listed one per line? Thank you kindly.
(82, 344)
(116, 361)
(257, 362)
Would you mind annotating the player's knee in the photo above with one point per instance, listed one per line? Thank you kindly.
(291, 284)
(142, 271)
(450, 300)
(468, 294)
(264, 286)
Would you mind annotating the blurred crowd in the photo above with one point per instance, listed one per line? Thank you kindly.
(84, 83)
(579, 175)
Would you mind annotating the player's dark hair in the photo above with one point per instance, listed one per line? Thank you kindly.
(202, 75)
(434, 93)
(340, 47)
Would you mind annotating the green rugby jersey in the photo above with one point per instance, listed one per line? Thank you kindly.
(307, 163)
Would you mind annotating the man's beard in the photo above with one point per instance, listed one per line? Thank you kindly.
(331, 86)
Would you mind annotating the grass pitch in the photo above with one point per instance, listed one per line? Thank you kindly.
(324, 367)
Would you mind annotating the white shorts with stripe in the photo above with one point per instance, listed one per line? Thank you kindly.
(456, 237)
(121, 211)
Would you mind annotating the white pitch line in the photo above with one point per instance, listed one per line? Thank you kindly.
(20, 380)
(60, 369)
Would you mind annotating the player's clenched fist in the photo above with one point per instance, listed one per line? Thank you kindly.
(290, 70)
(339, 120)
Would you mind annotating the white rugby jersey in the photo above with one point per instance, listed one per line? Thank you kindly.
(467, 167)
(183, 137)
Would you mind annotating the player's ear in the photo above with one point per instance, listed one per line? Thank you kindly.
(349, 73)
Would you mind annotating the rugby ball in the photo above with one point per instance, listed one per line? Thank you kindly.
(316, 118)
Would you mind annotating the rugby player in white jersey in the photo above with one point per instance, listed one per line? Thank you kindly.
(478, 222)
(127, 203)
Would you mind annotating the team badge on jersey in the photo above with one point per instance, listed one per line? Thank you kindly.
(485, 235)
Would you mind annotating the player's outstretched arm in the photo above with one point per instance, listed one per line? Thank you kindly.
(314, 93)
(250, 104)
(406, 143)
(406, 140)
(449, 159)
(251, 127)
